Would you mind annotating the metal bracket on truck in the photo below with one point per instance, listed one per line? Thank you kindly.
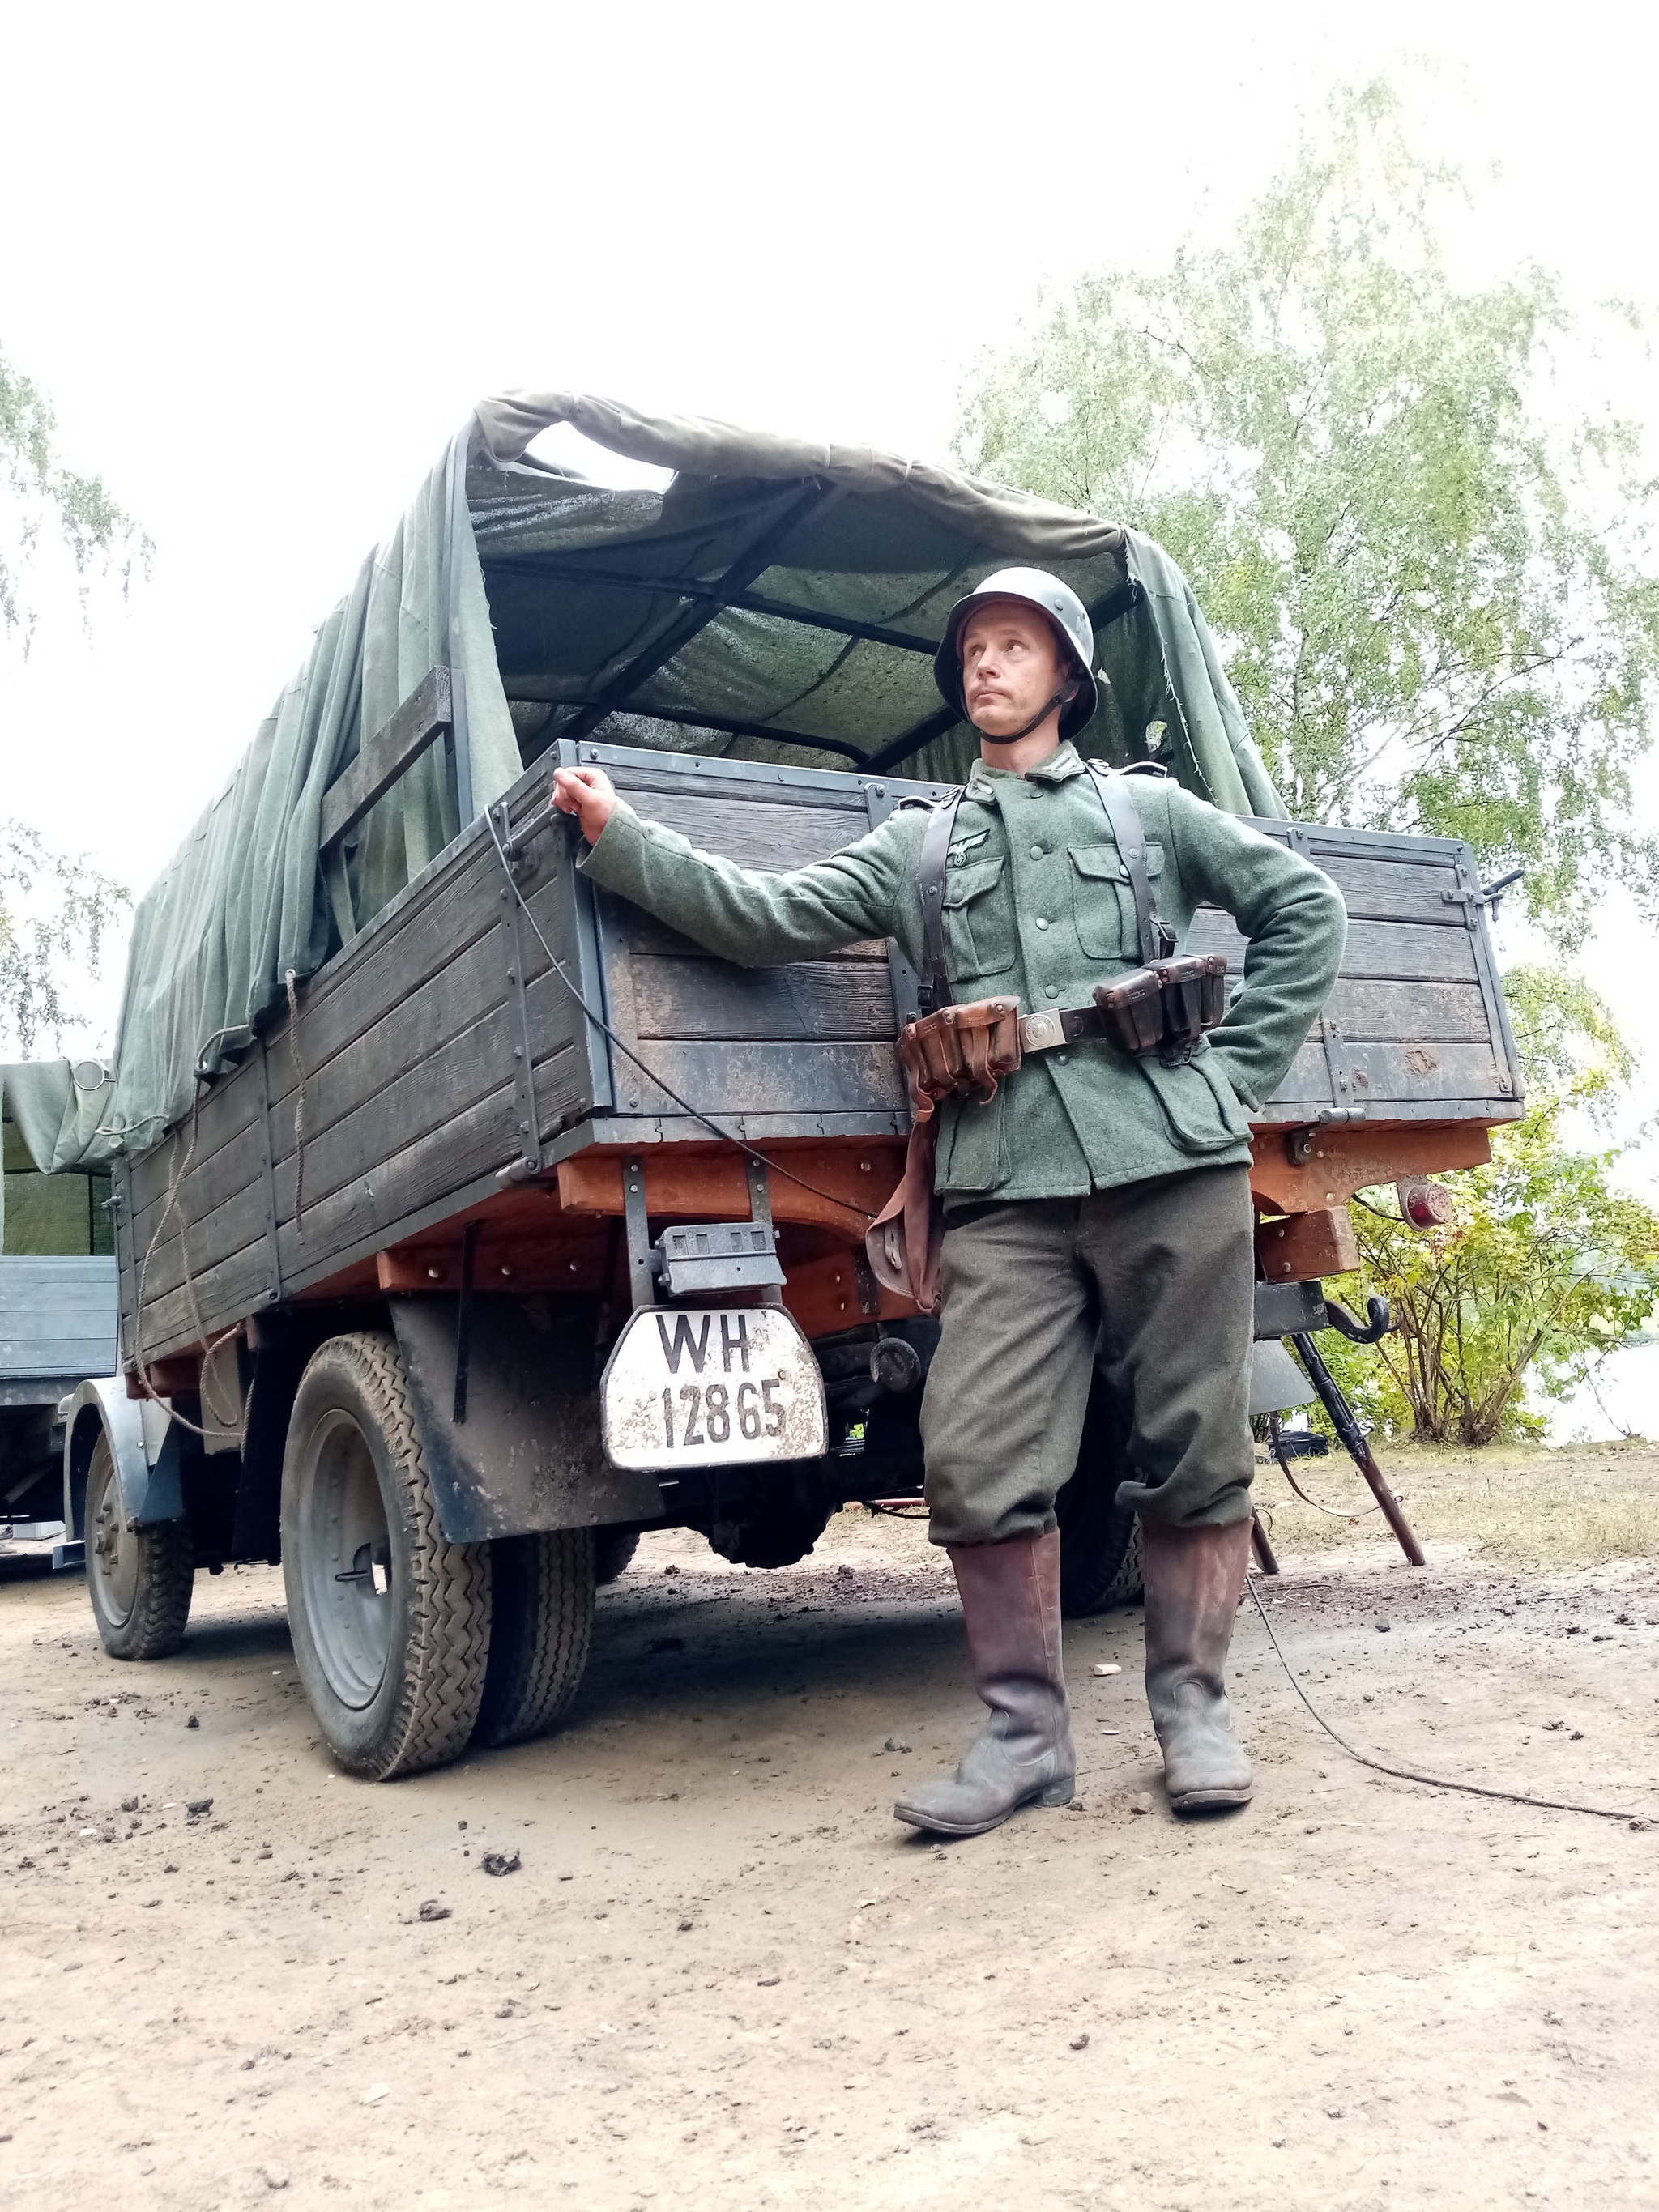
(709, 1386)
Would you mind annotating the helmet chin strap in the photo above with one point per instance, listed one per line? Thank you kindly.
(1061, 698)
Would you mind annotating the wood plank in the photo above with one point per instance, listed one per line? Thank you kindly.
(1409, 950)
(228, 1107)
(409, 1035)
(1307, 1081)
(239, 1220)
(823, 1295)
(1438, 1071)
(1388, 1013)
(391, 957)
(424, 717)
(767, 834)
(229, 1169)
(1212, 931)
(224, 1294)
(629, 929)
(398, 1185)
(1355, 1158)
(572, 1252)
(849, 1184)
(1382, 889)
(394, 965)
(1403, 951)
(748, 1078)
(819, 1001)
(397, 1109)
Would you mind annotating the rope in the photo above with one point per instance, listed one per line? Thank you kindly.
(726, 1136)
(1431, 1781)
(299, 1106)
(174, 1184)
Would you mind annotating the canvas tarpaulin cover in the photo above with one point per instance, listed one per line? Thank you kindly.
(49, 1112)
(773, 599)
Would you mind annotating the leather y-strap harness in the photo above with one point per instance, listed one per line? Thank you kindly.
(1156, 937)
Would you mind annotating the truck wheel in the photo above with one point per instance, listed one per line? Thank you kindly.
(613, 1554)
(1099, 1541)
(140, 1580)
(542, 1623)
(391, 1623)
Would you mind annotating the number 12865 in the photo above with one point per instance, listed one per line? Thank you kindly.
(716, 1406)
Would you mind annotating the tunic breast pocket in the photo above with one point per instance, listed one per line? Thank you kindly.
(979, 920)
(1103, 904)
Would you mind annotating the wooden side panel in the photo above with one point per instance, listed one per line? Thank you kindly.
(812, 1035)
(841, 1186)
(57, 1316)
(755, 833)
(411, 1043)
(1346, 1159)
(818, 1001)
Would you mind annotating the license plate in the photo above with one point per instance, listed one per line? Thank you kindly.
(711, 1386)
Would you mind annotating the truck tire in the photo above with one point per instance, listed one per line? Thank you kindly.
(140, 1580)
(391, 1622)
(613, 1554)
(542, 1623)
(1099, 1540)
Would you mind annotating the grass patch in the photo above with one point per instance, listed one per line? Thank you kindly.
(1522, 1505)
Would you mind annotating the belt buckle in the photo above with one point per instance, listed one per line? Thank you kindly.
(1041, 1032)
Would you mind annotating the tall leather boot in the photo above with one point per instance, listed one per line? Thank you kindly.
(1010, 1602)
(1193, 1580)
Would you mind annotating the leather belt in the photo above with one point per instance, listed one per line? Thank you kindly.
(1061, 1025)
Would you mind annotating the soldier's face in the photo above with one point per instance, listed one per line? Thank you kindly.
(1010, 665)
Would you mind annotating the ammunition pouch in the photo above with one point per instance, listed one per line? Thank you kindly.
(1165, 1007)
(960, 1049)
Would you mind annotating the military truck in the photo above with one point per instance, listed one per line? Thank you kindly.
(470, 1222)
(57, 1300)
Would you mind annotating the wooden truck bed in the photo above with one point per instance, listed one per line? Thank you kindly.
(439, 1075)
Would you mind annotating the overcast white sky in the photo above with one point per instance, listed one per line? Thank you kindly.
(264, 261)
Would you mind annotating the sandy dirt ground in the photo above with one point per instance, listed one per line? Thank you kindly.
(722, 1976)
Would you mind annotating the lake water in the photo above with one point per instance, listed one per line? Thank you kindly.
(1628, 1391)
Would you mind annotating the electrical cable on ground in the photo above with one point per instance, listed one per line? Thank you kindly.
(726, 1136)
(1336, 1512)
(1434, 1781)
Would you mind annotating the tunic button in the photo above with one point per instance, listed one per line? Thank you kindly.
(1042, 925)
(1054, 990)
(1036, 852)
(1059, 1059)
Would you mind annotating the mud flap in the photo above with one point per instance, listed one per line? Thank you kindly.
(526, 1454)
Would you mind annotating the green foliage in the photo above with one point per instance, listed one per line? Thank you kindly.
(1544, 1268)
(38, 492)
(1569, 1046)
(1436, 615)
(54, 915)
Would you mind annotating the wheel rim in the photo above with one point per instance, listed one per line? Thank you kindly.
(113, 1547)
(345, 1555)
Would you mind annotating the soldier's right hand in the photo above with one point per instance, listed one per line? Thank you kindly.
(587, 793)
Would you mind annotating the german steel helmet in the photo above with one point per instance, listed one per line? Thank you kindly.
(1063, 608)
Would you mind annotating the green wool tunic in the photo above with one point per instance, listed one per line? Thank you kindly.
(1038, 904)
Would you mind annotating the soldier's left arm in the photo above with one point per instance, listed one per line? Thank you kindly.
(1295, 926)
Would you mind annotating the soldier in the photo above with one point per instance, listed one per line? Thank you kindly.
(1097, 1207)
